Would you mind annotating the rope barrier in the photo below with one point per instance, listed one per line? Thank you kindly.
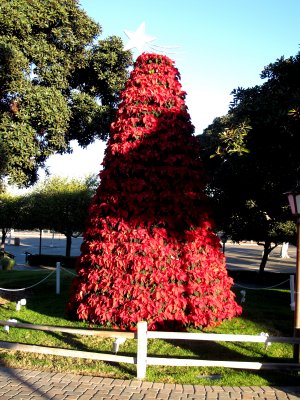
(69, 272)
(58, 268)
(29, 287)
(261, 288)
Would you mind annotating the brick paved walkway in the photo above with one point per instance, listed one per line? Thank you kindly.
(18, 384)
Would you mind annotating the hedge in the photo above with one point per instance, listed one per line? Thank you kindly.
(50, 260)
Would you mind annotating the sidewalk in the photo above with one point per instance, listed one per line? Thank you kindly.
(24, 384)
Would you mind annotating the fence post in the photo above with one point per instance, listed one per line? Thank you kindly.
(292, 289)
(141, 349)
(58, 278)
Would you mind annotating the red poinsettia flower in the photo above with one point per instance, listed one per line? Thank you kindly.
(149, 250)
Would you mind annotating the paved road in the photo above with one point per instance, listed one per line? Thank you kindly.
(244, 255)
(248, 256)
(30, 242)
(17, 384)
(24, 384)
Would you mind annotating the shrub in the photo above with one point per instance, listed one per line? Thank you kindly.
(7, 263)
(50, 260)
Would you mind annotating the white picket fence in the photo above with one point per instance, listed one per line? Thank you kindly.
(142, 335)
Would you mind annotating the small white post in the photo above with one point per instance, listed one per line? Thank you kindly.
(141, 349)
(292, 288)
(284, 250)
(58, 278)
(9, 237)
(51, 244)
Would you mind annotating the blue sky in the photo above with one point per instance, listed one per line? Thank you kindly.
(222, 45)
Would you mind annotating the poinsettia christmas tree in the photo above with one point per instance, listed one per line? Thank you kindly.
(149, 250)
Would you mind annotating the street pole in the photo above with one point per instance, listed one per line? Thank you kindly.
(297, 297)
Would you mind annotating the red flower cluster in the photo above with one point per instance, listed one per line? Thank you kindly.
(149, 251)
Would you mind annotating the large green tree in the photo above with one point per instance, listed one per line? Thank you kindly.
(58, 82)
(252, 154)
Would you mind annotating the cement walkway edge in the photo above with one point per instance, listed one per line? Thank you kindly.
(33, 385)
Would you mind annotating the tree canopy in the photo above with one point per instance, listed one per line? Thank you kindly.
(60, 204)
(58, 82)
(252, 155)
(10, 208)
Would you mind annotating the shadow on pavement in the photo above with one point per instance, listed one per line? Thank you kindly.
(15, 376)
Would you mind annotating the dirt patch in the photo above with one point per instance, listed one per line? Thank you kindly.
(3, 301)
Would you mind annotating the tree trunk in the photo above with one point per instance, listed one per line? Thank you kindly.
(69, 244)
(4, 232)
(267, 250)
(40, 244)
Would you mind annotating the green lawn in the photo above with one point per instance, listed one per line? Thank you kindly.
(264, 311)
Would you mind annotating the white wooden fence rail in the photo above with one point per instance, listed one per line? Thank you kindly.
(142, 335)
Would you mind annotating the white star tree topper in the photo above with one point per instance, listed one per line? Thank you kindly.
(138, 39)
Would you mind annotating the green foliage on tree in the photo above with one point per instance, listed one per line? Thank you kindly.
(10, 210)
(252, 155)
(60, 204)
(58, 82)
